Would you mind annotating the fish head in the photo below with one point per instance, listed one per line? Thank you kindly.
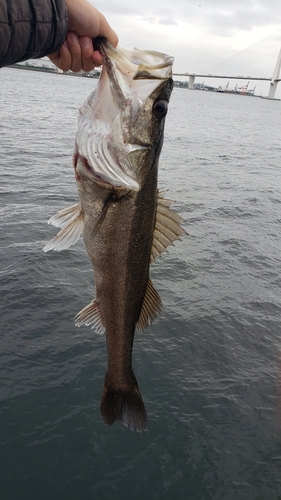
(121, 124)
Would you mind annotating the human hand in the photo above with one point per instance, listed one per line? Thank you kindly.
(85, 22)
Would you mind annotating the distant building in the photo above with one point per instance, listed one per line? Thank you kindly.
(44, 62)
(178, 83)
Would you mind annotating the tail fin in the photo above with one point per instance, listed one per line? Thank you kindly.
(124, 404)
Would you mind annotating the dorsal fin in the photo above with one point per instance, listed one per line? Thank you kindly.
(167, 227)
(71, 220)
(151, 307)
(90, 316)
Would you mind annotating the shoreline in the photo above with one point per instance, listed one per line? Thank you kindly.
(53, 71)
(82, 74)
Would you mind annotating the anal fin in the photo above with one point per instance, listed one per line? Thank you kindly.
(90, 316)
(151, 307)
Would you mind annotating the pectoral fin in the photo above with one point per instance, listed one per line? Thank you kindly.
(71, 220)
(167, 227)
(151, 307)
(66, 216)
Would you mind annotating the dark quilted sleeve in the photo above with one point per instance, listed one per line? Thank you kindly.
(31, 29)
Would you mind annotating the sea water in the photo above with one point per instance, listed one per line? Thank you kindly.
(209, 368)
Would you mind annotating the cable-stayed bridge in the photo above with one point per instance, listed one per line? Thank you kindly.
(260, 61)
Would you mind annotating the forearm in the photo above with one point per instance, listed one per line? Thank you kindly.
(31, 29)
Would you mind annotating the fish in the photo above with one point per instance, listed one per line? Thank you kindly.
(125, 219)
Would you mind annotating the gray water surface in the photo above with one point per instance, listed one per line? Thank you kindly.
(209, 368)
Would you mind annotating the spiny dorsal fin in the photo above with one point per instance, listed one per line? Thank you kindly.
(167, 227)
(151, 307)
(71, 220)
(90, 316)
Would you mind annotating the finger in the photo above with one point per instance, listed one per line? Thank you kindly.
(86, 53)
(55, 58)
(74, 48)
(97, 58)
(61, 58)
(65, 58)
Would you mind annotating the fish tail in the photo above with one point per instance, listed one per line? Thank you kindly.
(123, 403)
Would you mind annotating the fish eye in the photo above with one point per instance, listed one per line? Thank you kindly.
(160, 109)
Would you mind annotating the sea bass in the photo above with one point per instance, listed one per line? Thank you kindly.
(125, 221)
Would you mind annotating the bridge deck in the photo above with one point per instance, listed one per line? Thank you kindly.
(238, 77)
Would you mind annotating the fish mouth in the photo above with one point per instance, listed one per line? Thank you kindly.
(106, 141)
(82, 169)
(133, 72)
(113, 178)
(145, 64)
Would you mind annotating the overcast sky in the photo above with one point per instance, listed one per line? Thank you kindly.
(198, 33)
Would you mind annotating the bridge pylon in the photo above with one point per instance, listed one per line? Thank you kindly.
(191, 81)
(275, 78)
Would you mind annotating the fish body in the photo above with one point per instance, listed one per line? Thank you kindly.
(125, 221)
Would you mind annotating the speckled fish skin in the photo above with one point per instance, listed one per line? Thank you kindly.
(126, 223)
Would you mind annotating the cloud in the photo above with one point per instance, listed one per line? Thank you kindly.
(209, 15)
(168, 22)
(155, 20)
(198, 34)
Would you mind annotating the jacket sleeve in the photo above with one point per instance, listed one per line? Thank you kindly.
(31, 29)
